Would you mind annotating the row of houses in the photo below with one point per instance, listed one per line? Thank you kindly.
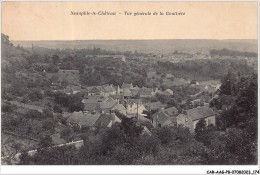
(97, 120)
(82, 119)
(188, 118)
(100, 103)
(163, 117)
(126, 90)
(112, 103)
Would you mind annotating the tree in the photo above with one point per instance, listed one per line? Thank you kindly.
(68, 58)
(45, 141)
(227, 84)
(57, 109)
(5, 39)
(33, 114)
(130, 128)
(8, 107)
(243, 111)
(48, 125)
(47, 58)
(52, 68)
(75, 103)
(25, 159)
(55, 59)
(200, 127)
(35, 95)
(164, 134)
(17, 147)
(47, 113)
(66, 133)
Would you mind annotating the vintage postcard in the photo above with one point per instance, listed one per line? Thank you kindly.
(129, 83)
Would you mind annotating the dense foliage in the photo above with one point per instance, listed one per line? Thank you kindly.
(204, 69)
(227, 52)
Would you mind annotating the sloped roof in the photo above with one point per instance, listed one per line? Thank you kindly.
(68, 90)
(146, 131)
(108, 88)
(134, 91)
(171, 111)
(170, 121)
(170, 91)
(127, 92)
(124, 85)
(94, 90)
(93, 99)
(119, 107)
(199, 113)
(83, 119)
(119, 97)
(76, 88)
(145, 91)
(132, 101)
(108, 103)
(169, 76)
(91, 106)
(75, 117)
(155, 105)
(66, 114)
(159, 92)
(143, 119)
(136, 88)
(89, 119)
(105, 119)
(167, 92)
(161, 117)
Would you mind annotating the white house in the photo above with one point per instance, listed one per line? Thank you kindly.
(135, 106)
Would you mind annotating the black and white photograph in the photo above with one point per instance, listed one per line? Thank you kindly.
(129, 83)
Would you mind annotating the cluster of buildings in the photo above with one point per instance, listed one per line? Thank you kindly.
(101, 103)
